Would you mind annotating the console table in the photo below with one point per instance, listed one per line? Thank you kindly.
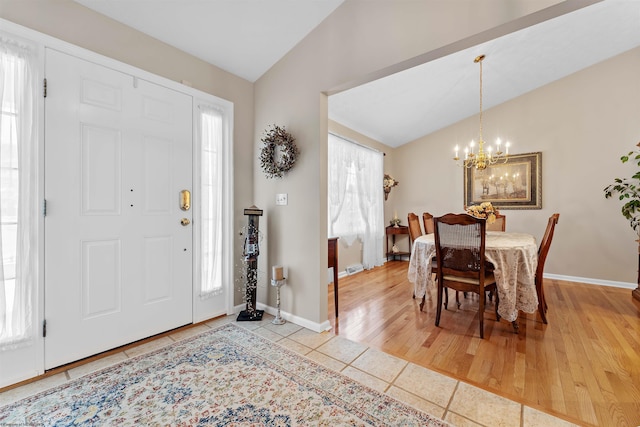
(333, 262)
(393, 232)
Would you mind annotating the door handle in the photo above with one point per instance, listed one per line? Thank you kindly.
(185, 200)
(185, 221)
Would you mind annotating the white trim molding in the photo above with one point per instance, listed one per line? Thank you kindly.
(590, 281)
(315, 327)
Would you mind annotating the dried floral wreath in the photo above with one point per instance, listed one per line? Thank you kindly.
(276, 137)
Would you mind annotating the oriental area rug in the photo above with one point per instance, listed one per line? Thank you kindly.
(224, 377)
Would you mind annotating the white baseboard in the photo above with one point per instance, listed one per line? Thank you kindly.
(590, 281)
(316, 327)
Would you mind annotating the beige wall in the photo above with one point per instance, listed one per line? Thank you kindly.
(76, 24)
(359, 40)
(582, 124)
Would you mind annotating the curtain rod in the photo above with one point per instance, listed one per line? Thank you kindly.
(357, 143)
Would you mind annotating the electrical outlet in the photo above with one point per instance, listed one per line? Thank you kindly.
(281, 199)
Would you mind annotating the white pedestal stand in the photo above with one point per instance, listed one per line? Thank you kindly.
(277, 284)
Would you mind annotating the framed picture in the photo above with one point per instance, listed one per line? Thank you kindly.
(516, 184)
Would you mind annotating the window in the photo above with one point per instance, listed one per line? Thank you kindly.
(18, 221)
(8, 191)
(355, 197)
(211, 133)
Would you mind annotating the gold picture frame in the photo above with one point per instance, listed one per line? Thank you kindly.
(516, 184)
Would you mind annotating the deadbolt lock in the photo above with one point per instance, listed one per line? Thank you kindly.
(185, 200)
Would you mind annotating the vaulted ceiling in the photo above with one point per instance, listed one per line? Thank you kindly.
(246, 37)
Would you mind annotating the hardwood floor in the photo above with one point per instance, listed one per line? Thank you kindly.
(583, 366)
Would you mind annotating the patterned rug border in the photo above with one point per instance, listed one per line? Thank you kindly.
(371, 406)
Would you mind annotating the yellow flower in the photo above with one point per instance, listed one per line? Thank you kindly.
(484, 210)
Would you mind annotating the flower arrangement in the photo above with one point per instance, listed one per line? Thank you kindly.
(483, 210)
(278, 137)
(388, 183)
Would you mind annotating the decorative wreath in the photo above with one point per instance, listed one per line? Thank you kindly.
(275, 137)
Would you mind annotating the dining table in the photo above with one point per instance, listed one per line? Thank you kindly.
(514, 257)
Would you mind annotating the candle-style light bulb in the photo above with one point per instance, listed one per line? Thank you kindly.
(456, 150)
(507, 146)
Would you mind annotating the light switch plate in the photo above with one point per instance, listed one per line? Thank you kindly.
(281, 199)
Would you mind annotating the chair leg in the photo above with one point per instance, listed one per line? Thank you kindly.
(481, 297)
(439, 304)
(458, 298)
(424, 297)
(497, 305)
(543, 315)
(541, 303)
(446, 297)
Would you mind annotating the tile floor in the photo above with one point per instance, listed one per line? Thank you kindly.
(456, 402)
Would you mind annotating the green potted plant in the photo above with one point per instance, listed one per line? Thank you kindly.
(628, 190)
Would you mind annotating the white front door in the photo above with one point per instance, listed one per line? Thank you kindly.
(118, 258)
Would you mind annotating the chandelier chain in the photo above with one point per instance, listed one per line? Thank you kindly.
(481, 159)
(481, 100)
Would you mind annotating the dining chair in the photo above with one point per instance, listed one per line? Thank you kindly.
(414, 226)
(500, 224)
(429, 228)
(414, 232)
(460, 254)
(543, 251)
(427, 220)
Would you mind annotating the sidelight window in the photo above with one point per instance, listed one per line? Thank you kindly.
(17, 192)
(211, 135)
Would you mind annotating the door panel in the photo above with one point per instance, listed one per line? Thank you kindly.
(101, 285)
(118, 263)
(101, 170)
(158, 254)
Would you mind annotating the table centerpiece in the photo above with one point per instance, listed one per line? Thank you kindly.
(484, 210)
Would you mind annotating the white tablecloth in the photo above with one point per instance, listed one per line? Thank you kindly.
(514, 256)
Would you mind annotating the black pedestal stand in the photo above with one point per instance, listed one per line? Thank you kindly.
(250, 253)
(248, 316)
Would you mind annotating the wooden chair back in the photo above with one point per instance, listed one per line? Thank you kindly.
(460, 254)
(414, 226)
(427, 220)
(500, 224)
(543, 251)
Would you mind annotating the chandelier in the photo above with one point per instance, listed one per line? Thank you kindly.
(481, 159)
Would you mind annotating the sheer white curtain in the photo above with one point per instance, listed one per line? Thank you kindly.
(355, 197)
(18, 185)
(211, 167)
